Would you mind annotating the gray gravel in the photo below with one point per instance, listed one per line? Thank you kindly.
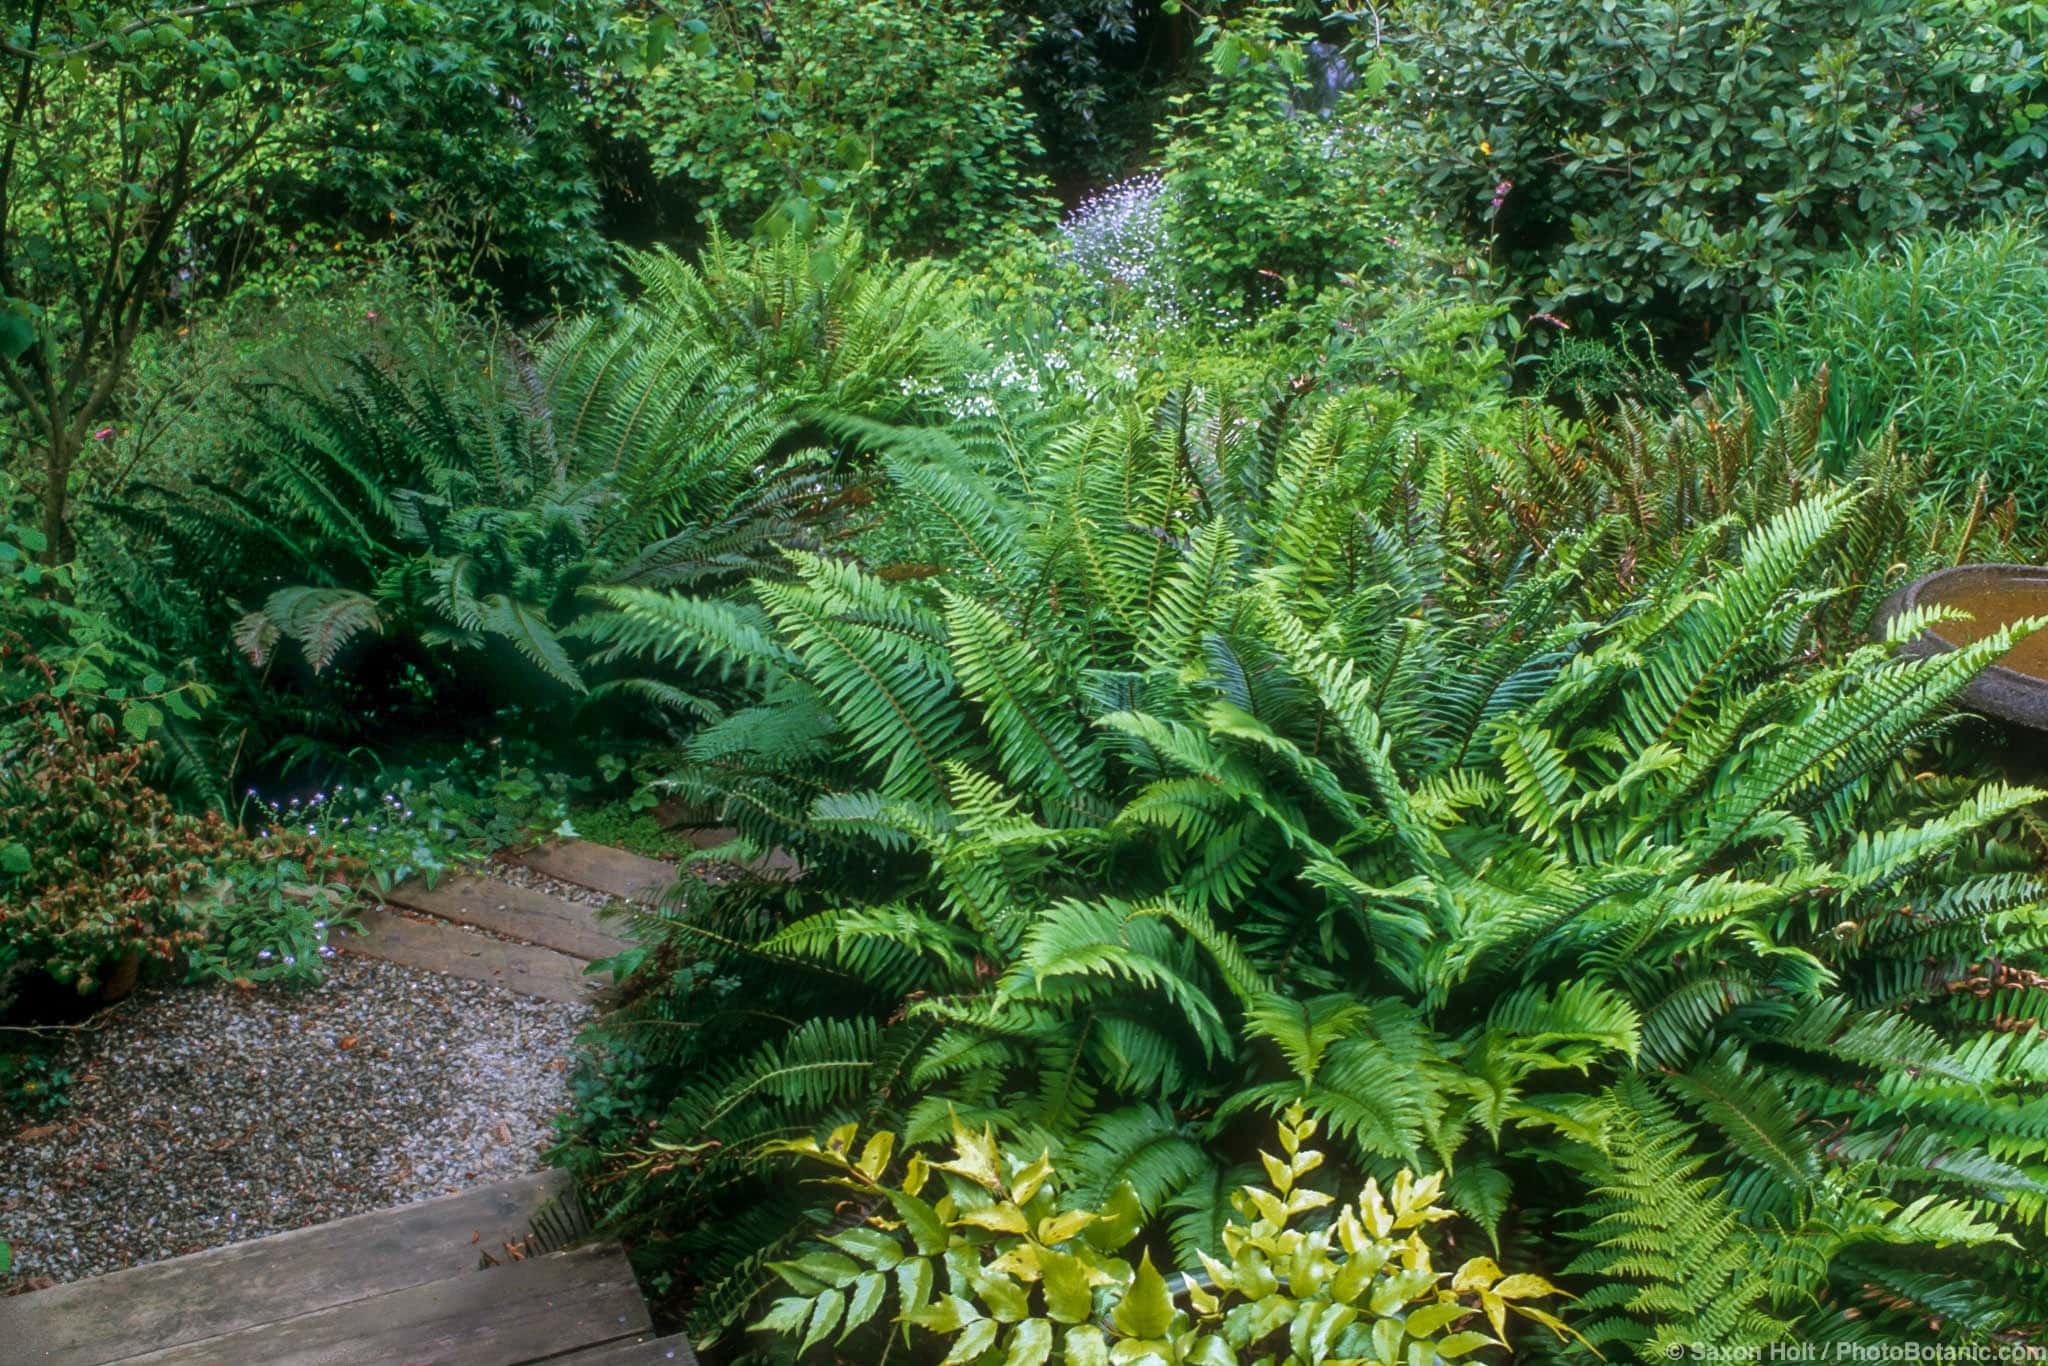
(519, 875)
(206, 1115)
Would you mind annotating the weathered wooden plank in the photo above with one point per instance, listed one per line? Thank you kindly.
(523, 968)
(649, 1351)
(227, 1289)
(521, 912)
(522, 1312)
(599, 866)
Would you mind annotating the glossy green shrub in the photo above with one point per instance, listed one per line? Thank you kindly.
(981, 1255)
(1691, 157)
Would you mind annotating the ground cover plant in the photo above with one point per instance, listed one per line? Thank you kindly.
(1345, 792)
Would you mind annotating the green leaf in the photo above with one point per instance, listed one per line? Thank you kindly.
(1085, 1346)
(1147, 1307)
(824, 1318)
(978, 1338)
(866, 1298)
(872, 1246)
(1030, 1344)
(15, 860)
(1067, 1296)
(927, 1234)
(828, 1267)
(1462, 1344)
(1122, 1216)
(913, 1284)
(947, 1314)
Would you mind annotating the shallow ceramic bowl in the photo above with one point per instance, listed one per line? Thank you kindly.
(2005, 693)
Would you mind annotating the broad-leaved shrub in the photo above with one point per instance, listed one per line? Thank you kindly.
(1692, 157)
(985, 1256)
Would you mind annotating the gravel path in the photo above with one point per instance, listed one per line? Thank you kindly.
(206, 1115)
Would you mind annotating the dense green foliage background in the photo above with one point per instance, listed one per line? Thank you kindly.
(1266, 561)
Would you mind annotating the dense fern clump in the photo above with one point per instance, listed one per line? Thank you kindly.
(1211, 758)
(394, 527)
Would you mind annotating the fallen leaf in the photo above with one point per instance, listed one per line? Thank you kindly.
(30, 1135)
(504, 1134)
(348, 1041)
(476, 1237)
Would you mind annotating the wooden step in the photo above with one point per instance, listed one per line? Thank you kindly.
(225, 1290)
(528, 1311)
(602, 868)
(647, 1351)
(521, 912)
(524, 968)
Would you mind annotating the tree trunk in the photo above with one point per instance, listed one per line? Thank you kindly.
(59, 456)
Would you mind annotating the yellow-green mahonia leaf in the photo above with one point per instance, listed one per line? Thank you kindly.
(1004, 1218)
(975, 1157)
(977, 1338)
(947, 1314)
(1068, 1297)
(1522, 1286)
(1085, 1346)
(1147, 1307)
(1006, 1300)
(1030, 1344)
(1435, 1317)
(1463, 1344)
(1029, 1181)
(1058, 1228)
(1120, 1218)
(874, 1157)
(1477, 1274)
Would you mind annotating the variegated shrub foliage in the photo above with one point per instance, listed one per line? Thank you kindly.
(1000, 1274)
